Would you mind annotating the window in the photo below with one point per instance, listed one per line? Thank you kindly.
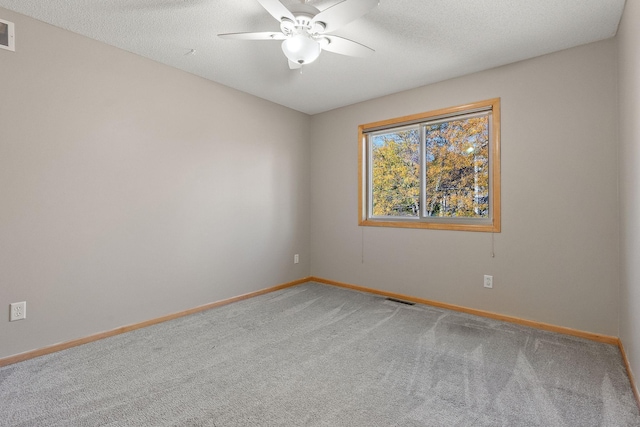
(439, 169)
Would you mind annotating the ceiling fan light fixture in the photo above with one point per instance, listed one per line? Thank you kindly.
(306, 31)
(301, 49)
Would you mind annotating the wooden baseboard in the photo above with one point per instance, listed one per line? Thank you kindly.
(531, 323)
(121, 330)
(539, 325)
(636, 393)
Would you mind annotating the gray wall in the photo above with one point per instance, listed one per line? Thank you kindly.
(130, 190)
(556, 259)
(629, 87)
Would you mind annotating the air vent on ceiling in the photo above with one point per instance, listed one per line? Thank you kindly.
(7, 35)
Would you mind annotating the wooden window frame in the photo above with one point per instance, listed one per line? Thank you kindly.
(491, 225)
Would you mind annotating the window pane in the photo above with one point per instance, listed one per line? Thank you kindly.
(457, 163)
(396, 173)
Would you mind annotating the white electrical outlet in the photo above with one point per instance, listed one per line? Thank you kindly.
(488, 281)
(296, 258)
(18, 311)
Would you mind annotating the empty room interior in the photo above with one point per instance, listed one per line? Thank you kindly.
(148, 178)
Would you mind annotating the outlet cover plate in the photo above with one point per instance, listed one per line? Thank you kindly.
(488, 281)
(18, 311)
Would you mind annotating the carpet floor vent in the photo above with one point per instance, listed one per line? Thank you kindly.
(400, 301)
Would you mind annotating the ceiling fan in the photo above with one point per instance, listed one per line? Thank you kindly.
(304, 29)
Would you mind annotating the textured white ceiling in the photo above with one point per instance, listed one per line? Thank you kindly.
(417, 42)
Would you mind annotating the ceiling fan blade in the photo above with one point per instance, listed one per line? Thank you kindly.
(277, 9)
(267, 35)
(294, 65)
(344, 12)
(346, 47)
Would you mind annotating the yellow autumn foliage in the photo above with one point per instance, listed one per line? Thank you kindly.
(457, 170)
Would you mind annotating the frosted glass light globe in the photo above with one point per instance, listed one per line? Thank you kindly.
(301, 49)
